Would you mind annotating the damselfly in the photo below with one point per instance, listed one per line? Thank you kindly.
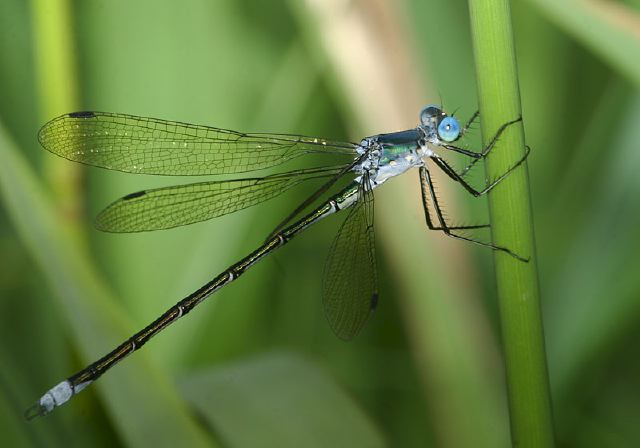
(152, 146)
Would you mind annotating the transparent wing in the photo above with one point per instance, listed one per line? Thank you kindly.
(153, 146)
(350, 290)
(178, 205)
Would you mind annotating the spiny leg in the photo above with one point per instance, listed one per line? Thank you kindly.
(427, 212)
(468, 124)
(482, 154)
(428, 191)
(490, 146)
(449, 171)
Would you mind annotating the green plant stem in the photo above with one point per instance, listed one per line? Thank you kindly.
(57, 79)
(511, 226)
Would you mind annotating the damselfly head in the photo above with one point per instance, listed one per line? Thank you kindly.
(447, 126)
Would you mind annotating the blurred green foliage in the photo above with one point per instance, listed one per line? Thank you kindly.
(427, 369)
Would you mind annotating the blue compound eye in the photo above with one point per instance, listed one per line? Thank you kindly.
(449, 129)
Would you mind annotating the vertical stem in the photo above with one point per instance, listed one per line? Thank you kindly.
(57, 80)
(511, 224)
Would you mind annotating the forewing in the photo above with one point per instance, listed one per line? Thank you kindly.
(153, 146)
(350, 291)
(178, 205)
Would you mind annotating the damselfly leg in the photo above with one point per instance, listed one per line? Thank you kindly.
(429, 194)
(486, 150)
(449, 171)
(469, 123)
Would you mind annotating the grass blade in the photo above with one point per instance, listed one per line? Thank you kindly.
(609, 29)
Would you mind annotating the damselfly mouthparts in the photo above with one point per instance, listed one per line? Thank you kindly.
(152, 146)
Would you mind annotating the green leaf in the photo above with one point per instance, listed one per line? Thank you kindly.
(609, 29)
(598, 309)
(278, 400)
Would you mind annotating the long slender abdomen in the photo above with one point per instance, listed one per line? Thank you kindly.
(63, 391)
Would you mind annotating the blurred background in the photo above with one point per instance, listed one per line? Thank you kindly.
(257, 365)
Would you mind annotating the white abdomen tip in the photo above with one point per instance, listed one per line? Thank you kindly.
(58, 394)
